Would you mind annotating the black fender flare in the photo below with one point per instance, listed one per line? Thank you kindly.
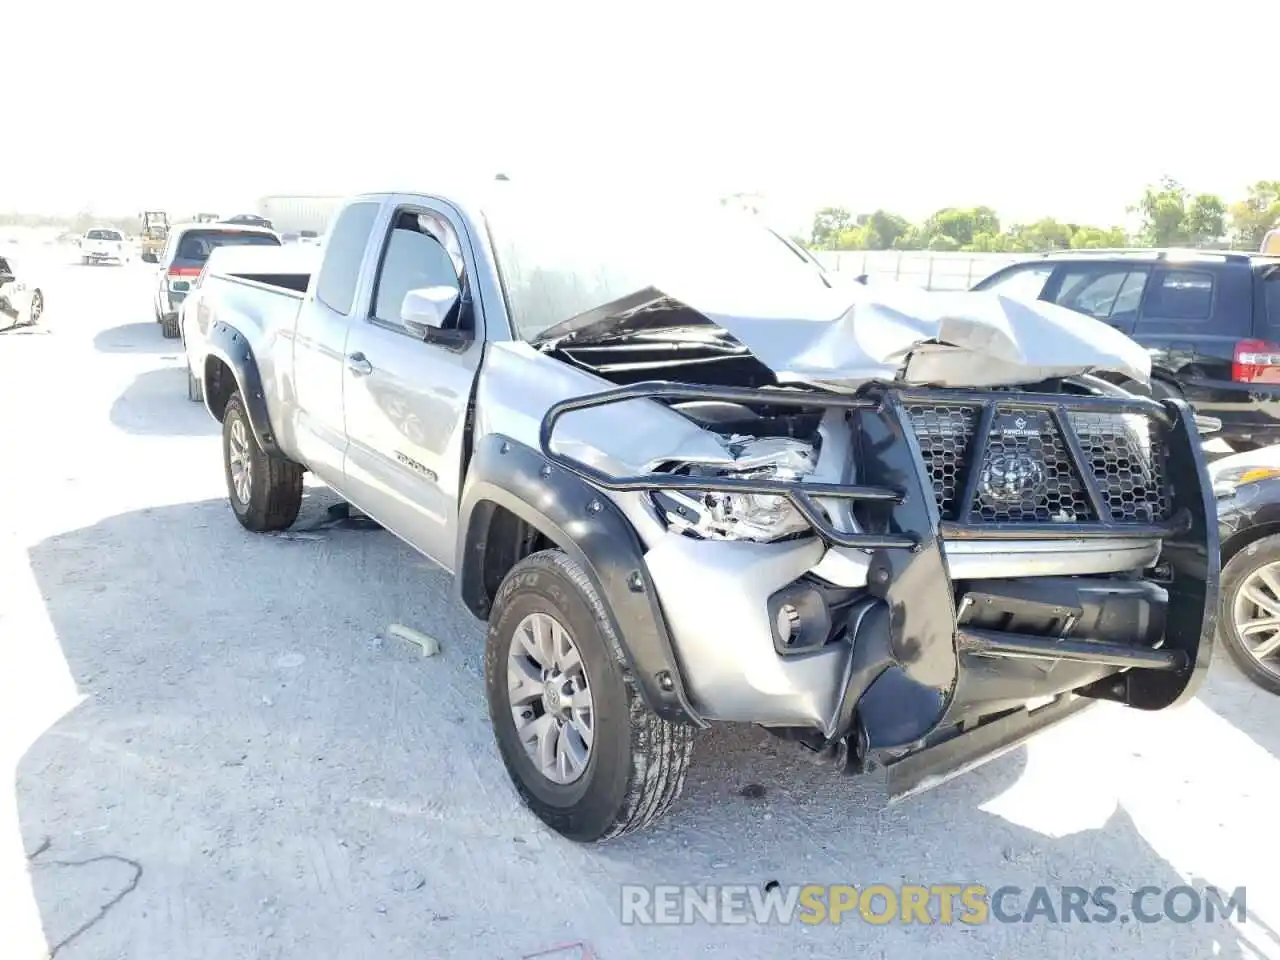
(586, 524)
(224, 342)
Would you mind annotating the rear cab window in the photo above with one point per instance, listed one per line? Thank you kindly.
(340, 271)
(104, 235)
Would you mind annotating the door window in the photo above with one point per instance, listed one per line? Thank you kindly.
(1181, 295)
(1101, 293)
(414, 257)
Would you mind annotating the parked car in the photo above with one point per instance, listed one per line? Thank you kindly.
(21, 298)
(101, 244)
(1248, 489)
(250, 220)
(185, 254)
(281, 267)
(681, 489)
(1210, 320)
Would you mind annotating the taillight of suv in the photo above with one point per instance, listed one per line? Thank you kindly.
(1256, 361)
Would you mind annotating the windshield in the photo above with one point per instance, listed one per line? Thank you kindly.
(558, 261)
(103, 235)
(196, 245)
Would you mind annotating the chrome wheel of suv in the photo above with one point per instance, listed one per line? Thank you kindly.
(1256, 615)
(1249, 617)
(550, 698)
(240, 462)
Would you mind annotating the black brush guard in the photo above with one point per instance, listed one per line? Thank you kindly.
(909, 679)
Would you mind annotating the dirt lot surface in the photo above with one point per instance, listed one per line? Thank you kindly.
(211, 752)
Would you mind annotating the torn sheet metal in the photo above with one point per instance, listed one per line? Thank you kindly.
(843, 337)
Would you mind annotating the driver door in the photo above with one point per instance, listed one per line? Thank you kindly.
(405, 400)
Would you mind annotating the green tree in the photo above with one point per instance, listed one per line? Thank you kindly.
(960, 225)
(828, 224)
(1163, 208)
(1098, 238)
(1253, 216)
(1206, 220)
(881, 229)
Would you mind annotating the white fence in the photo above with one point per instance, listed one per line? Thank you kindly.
(918, 268)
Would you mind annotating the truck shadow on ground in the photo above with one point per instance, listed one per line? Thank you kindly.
(1250, 709)
(136, 338)
(255, 770)
(156, 404)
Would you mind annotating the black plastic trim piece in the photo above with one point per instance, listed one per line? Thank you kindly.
(232, 347)
(506, 474)
(908, 691)
(1194, 555)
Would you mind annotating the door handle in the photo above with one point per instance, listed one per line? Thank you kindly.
(358, 365)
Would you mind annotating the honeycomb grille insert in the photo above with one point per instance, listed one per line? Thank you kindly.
(1028, 474)
(944, 434)
(1127, 458)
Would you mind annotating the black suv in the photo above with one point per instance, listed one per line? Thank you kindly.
(1210, 319)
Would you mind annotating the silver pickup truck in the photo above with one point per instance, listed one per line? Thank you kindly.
(687, 478)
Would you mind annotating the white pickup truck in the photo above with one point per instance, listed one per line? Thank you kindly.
(687, 479)
(102, 244)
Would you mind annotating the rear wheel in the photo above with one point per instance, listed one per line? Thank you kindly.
(169, 326)
(582, 748)
(265, 490)
(1250, 619)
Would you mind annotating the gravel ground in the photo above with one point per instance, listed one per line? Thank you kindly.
(214, 756)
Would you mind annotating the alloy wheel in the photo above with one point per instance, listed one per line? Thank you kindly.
(550, 698)
(1257, 616)
(241, 463)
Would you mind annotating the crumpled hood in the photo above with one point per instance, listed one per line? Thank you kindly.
(846, 336)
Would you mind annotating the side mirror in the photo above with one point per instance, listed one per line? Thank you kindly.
(424, 310)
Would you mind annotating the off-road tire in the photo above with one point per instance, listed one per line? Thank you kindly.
(1234, 574)
(638, 761)
(275, 488)
(169, 326)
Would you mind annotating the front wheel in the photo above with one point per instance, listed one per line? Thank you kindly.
(584, 751)
(36, 310)
(1249, 623)
(265, 490)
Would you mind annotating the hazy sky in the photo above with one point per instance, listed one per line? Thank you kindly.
(1032, 107)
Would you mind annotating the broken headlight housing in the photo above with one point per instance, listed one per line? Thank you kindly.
(720, 515)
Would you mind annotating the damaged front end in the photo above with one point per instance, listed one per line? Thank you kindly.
(894, 574)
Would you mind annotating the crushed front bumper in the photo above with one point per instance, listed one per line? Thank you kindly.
(915, 666)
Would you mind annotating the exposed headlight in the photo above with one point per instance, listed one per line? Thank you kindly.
(714, 515)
